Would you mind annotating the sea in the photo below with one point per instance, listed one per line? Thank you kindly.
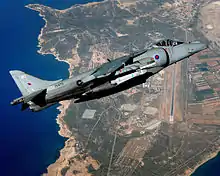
(29, 142)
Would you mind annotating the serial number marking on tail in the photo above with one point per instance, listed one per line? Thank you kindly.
(58, 84)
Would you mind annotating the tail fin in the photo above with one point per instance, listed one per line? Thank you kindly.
(28, 84)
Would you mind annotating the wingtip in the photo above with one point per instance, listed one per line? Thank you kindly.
(13, 72)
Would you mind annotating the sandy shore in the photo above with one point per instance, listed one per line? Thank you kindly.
(190, 171)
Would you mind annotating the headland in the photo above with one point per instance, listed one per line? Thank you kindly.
(84, 36)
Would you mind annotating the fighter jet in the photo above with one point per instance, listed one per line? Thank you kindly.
(111, 77)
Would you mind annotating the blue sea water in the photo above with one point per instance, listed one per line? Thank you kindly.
(210, 168)
(29, 142)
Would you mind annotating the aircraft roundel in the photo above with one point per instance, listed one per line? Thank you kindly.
(156, 56)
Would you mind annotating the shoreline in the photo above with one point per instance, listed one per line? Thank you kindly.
(68, 151)
(64, 131)
(210, 156)
(64, 104)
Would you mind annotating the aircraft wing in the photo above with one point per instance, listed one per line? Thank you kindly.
(111, 67)
(114, 65)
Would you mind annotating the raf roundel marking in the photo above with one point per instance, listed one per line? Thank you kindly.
(156, 57)
(29, 83)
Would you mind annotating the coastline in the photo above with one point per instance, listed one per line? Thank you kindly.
(69, 148)
(68, 151)
(64, 131)
(210, 156)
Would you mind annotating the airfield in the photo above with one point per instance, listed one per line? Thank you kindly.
(167, 126)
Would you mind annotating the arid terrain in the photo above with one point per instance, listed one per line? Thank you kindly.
(140, 131)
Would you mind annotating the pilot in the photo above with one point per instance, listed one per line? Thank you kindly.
(169, 42)
(163, 43)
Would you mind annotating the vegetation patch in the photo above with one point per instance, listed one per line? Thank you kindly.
(217, 113)
(203, 94)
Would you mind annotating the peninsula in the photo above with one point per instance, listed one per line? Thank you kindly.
(133, 132)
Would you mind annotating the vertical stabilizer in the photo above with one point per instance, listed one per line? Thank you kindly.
(28, 84)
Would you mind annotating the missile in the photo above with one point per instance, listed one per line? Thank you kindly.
(127, 69)
(127, 77)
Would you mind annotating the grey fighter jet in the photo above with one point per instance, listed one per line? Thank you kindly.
(111, 77)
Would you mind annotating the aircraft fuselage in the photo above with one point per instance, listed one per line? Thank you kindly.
(112, 77)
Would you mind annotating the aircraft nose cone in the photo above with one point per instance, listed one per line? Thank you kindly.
(186, 50)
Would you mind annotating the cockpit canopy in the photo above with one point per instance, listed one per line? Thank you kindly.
(168, 42)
